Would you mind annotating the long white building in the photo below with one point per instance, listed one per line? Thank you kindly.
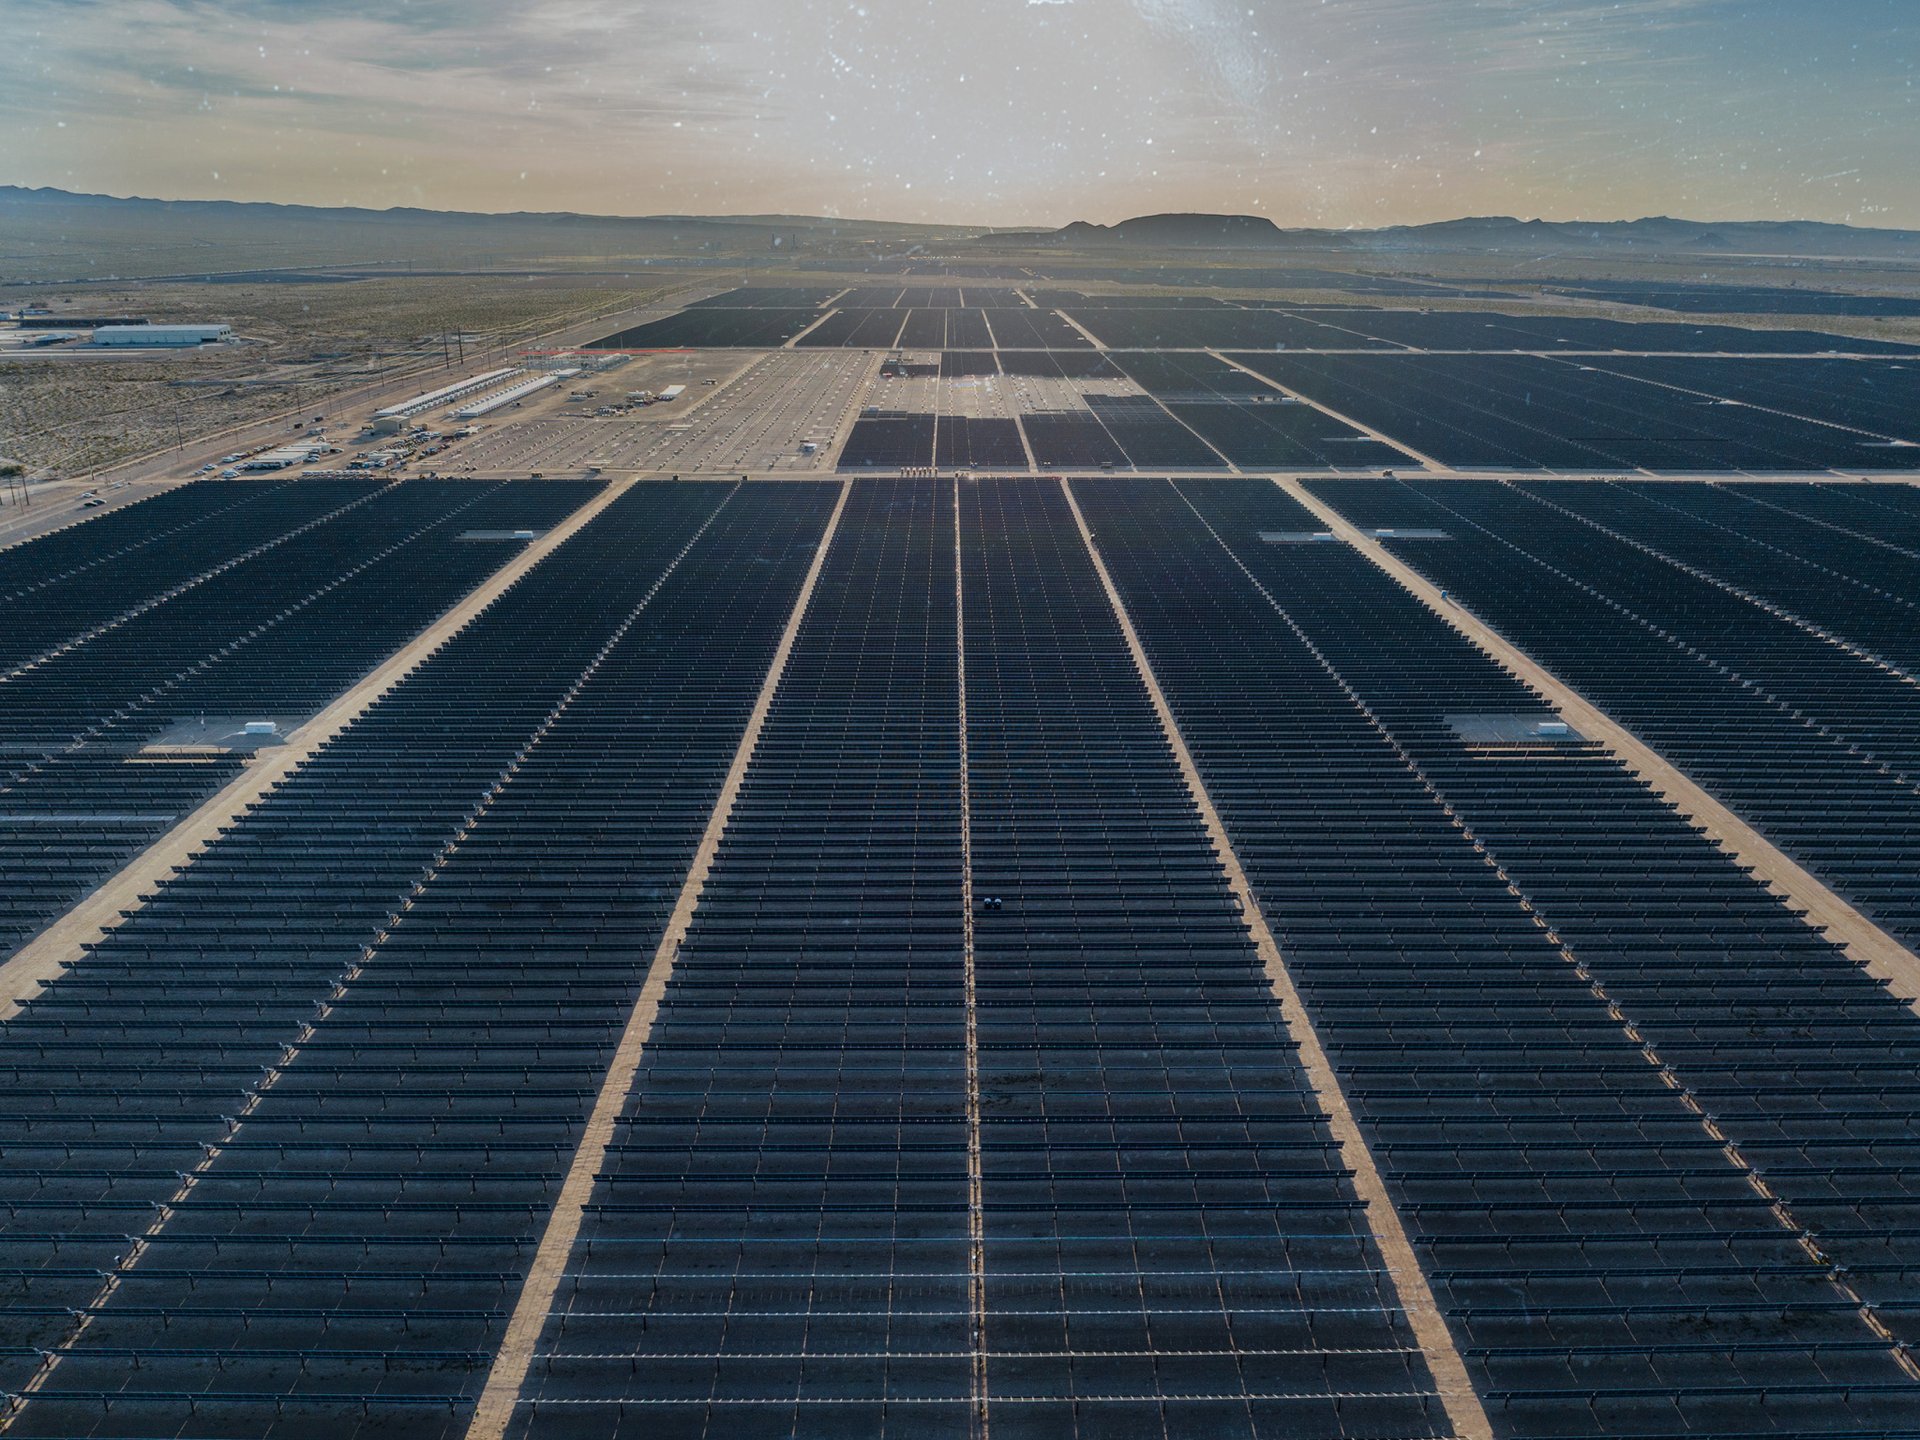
(162, 335)
(445, 395)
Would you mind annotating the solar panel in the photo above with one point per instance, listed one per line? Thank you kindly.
(1560, 1015)
(1814, 745)
(330, 1076)
(969, 1106)
(103, 743)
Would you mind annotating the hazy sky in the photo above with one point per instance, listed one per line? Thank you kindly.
(1323, 112)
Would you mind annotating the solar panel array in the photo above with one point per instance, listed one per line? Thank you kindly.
(1246, 419)
(1172, 1245)
(1541, 412)
(280, 1149)
(968, 1105)
(1649, 1133)
(778, 1243)
(1812, 744)
(262, 611)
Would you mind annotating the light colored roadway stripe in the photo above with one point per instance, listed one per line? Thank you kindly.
(1883, 956)
(62, 943)
(1464, 1412)
(804, 331)
(976, 1176)
(494, 1410)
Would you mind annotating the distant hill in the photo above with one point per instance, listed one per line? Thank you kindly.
(1659, 232)
(48, 198)
(1174, 232)
(50, 235)
(1491, 234)
(1195, 232)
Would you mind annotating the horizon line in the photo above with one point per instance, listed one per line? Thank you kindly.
(751, 216)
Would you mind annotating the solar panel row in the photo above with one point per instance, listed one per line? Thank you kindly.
(969, 1103)
(1057, 364)
(892, 439)
(1570, 1030)
(874, 329)
(1070, 440)
(778, 1244)
(777, 297)
(271, 637)
(1246, 419)
(962, 364)
(280, 1150)
(1818, 749)
(973, 443)
(1172, 1247)
(1151, 438)
(1866, 595)
(1880, 396)
(1886, 517)
(758, 327)
(57, 594)
(1774, 1032)
(1024, 328)
(1535, 412)
(1196, 328)
(928, 297)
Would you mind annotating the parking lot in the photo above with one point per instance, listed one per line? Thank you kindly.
(754, 421)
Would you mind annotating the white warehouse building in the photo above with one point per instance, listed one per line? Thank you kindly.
(175, 335)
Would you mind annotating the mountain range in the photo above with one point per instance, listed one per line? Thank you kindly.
(1482, 233)
(53, 235)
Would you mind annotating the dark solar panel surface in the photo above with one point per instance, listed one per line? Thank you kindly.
(1887, 516)
(967, 330)
(330, 1077)
(775, 296)
(1741, 299)
(1488, 330)
(1817, 748)
(1058, 364)
(1879, 396)
(63, 587)
(782, 1244)
(970, 1102)
(275, 636)
(962, 363)
(890, 438)
(1172, 1248)
(871, 329)
(758, 327)
(1151, 437)
(1199, 328)
(779, 1242)
(967, 443)
(1537, 412)
(1247, 420)
(1024, 328)
(1571, 1101)
(1863, 593)
(924, 330)
(1070, 439)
